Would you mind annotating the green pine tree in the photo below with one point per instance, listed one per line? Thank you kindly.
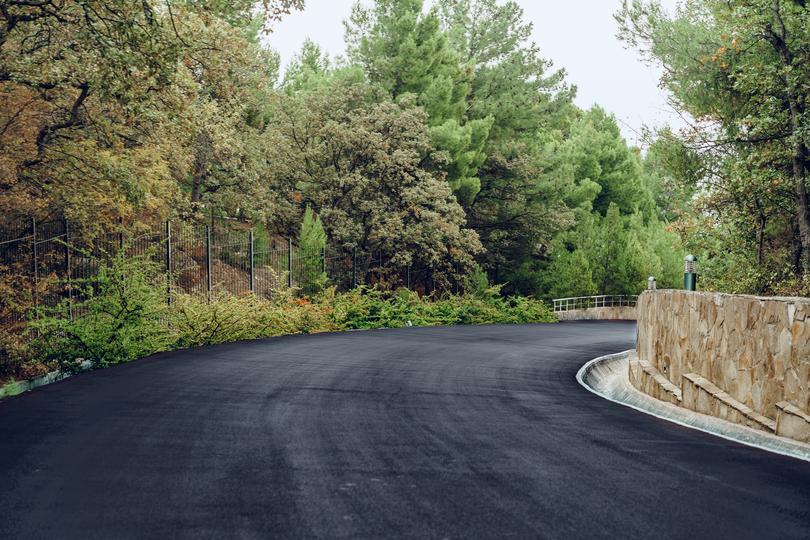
(312, 246)
(406, 52)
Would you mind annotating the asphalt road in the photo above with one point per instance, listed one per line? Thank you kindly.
(455, 432)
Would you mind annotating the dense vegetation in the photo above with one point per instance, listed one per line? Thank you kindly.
(444, 140)
(125, 317)
(741, 70)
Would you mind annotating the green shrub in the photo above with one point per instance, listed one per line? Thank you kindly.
(477, 282)
(124, 315)
(195, 322)
(372, 308)
(121, 317)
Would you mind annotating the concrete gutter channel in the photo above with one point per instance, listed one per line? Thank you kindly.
(607, 376)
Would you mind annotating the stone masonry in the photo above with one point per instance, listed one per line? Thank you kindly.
(618, 313)
(742, 358)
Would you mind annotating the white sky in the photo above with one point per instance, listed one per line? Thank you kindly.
(578, 35)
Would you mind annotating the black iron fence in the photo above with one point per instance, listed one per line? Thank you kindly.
(42, 263)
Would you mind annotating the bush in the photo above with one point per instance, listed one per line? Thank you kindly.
(121, 318)
(18, 358)
(372, 308)
(194, 322)
(124, 316)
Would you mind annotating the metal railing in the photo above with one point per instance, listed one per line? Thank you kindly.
(591, 302)
(46, 263)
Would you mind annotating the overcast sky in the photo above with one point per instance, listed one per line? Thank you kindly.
(578, 35)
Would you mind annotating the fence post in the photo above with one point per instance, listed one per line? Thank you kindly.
(68, 269)
(168, 262)
(250, 254)
(323, 259)
(35, 265)
(120, 235)
(289, 262)
(354, 268)
(208, 260)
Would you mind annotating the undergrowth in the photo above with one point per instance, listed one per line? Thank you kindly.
(123, 314)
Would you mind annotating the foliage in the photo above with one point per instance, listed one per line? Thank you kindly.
(195, 322)
(17, 358)
(372, 308)
(123, 315)
(570, 275)
(358, 164)
(405, 52)
(521, 203)
(444, 142)
(115, 108)
(313, 244)
(118, 318)
(477, 282)
(740, 70)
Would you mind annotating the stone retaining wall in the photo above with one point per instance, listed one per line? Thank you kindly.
(623, 313)
(742, 358)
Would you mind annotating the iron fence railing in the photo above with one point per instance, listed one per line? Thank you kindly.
(590, 302)
(45, 263)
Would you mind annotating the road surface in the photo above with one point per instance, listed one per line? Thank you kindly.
(457, 432)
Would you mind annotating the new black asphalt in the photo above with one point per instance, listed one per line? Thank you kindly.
(460, 432)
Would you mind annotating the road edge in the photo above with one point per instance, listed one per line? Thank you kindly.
(606, 376)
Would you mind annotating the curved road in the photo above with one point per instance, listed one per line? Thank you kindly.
(423, 432)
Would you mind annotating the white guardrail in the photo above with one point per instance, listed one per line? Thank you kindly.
(589, 302)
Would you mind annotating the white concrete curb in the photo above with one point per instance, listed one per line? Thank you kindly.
(606, 377)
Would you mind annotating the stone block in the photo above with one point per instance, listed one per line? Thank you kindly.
(792, 422)
(733, 356)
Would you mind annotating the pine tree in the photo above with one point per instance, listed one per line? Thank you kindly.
(406, 52)
(312, 246)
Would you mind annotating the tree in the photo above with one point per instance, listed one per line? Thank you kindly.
(520, 206)
(511, 82)
(96, 94)
(569, 275)
(312, 243)
(359, 162)
(220, 162)
(740, 69)
(76, 82)
(307, 69)
(605, 168)
(406, 52)
(673, 173)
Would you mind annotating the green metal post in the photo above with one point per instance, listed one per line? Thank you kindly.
(690, 273)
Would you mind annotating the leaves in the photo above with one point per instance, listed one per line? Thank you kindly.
(740, 69)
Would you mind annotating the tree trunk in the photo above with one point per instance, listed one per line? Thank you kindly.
(797, 250)
(760, 233)
(802, 210)
(779, 40)
(202, 157)
(799, 177)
